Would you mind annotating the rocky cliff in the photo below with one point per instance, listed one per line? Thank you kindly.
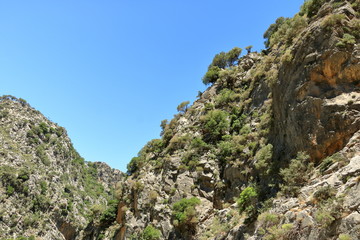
(269, 151)
(47, 190)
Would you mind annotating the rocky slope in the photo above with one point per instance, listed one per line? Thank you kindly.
(47, 190)
(269, 151)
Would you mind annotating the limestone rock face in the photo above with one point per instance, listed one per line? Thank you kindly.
(46, 189)
(317, 95)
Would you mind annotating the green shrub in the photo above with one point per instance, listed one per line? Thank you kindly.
(332, 20)
(219, 60)
(190, 160)
(40, 152)
(267, 219)
(31, 220)
(97, 209)
(150, 233)
(311, 7)
(178, 142)
(183, 211)
(40, 203)
(263, 159)
(356, 5)
(163, 125)
(324, 193)
(43, 187)
(296, 174)
(230, 148)
(24, 175)
(25, 238)
(154, 146)
(328, 161)
(248, 48)
(169, 130)
(134, 165)
(182, 108)
(226, 96)
(59, 131)
(78, 161)
(232, 56)
(347, 40)
(275, 233)
(13, 180)
(215, 124)
(10, 190)
(212, 75)
(324, 218)
(273, 28)
(109, 215)
(209, 106)
(4, 114)
(285, 30)
(247, 201)
(328, 210)
(287, 57)
(343, 236)
(198, 144)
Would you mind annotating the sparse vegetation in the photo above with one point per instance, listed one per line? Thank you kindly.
(224, 149)
(284, 31)
(211, 75)
(323, 194)
(184, 212)
(226, 96)
(311, 7)
(109, 215)
(347, 40)
(221, 60)
(150, 233)
(182, 108)
(248, 48)
(247, 201)
(263, 160)
(216, 124)
(329, 209)
(328, 161)
(296, 175)
(343, 236)
(332, 21)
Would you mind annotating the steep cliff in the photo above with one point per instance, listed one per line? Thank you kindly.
(47, 190)
(269, 151)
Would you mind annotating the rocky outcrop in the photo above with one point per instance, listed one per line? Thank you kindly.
(315, 92)
(327, 207)
(47, 190)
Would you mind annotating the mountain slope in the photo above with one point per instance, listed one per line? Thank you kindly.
(270, 150)
(47, 190)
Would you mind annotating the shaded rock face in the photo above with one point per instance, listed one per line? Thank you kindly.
(66, 229)
(316, 98)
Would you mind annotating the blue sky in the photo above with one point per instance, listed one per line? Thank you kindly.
(110, 71)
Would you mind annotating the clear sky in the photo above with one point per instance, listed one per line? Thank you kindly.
(110, 71)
